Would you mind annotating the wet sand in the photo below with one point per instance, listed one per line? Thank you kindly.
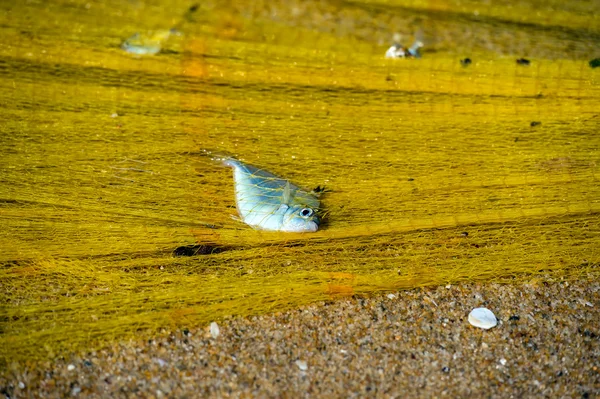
(415, 343)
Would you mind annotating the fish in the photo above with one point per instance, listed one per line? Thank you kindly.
(267, 202)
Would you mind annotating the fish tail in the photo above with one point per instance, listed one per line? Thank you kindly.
(228, 162)
(221, 158)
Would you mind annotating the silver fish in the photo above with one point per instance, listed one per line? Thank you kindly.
(268, 202)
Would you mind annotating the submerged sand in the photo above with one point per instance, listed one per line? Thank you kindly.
(414, 343)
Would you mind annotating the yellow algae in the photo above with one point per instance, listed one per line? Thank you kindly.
(433, 172)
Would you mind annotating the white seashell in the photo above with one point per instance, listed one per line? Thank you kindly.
(391, 296)
(302, 365)
(70, 367)
(482, 318)
(214, 330)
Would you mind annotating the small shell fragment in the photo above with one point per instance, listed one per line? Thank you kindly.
(482, 318)
(214, 330)
(391, 296)
(302, 365)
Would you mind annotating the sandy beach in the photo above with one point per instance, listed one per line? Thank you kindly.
(415, 343)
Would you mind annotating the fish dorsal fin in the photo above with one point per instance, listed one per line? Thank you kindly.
(287, 194)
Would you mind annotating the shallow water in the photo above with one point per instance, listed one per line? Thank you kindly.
(434, 171)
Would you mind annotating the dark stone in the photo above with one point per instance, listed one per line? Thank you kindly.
(595, 63)
(465, 61)
(193, 250)
(514, 317)
(445, 369)
(523, 61)
(535, 123)
(587, 333)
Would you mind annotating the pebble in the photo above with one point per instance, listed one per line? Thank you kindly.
(214, 330)
(302, 365)
(586, 303)
(391, 296)
(482, 318)
(70, 367)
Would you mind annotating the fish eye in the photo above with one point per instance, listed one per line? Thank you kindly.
(306, 212)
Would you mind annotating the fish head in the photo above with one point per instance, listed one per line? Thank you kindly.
(300, 219)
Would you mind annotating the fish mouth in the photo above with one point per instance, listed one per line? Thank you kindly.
(314, 226)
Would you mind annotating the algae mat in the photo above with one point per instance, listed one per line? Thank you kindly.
(435, 173)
